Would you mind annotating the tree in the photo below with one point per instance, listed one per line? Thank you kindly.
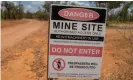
(20, 10)
(123, 14)
(40, 15)
(12, 11)
(28, 15)
(8, 7)
(47, 4)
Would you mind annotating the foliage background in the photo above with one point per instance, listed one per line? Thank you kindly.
(119, 11)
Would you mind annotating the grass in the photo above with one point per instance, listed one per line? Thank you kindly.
(112, 24)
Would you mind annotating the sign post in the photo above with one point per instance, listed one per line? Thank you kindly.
(76, 41)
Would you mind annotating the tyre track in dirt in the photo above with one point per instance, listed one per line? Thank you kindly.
(29, 57)
(13, 35)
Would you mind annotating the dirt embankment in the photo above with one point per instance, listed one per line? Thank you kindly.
(27, 60)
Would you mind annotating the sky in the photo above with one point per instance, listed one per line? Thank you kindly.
(34, 6)
(31, 6)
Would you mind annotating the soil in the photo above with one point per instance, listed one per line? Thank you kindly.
(11, 23)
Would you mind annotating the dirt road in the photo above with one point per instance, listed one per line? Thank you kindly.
(14, 34)
(22, 45)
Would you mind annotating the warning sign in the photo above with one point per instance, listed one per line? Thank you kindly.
(76, 40)
(58, 64)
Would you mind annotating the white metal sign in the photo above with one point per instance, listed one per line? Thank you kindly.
(76, 40)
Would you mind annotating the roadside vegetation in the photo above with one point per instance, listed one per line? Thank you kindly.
(117, 11)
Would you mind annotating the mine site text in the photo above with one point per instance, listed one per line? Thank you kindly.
(74, 26)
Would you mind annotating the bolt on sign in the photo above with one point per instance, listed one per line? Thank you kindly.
(76, 41)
